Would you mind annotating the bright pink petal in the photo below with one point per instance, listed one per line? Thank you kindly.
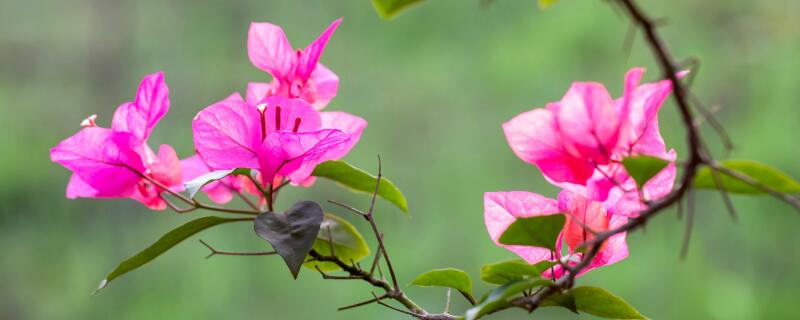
(257, 91)
(589, 121)
(321, 88)
(227, 135)
(347, 123)
(151, 104)
(218, 191)
(500, 209)
(533, 137)
(107, 161)
(295, 155)
(270, 50)
(287, 114)
(167, 170)
(584, 218)
(77, 188)
(310, 55)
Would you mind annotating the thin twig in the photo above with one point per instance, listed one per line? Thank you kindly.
(229, 253)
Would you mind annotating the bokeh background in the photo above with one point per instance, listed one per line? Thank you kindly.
(435, 84)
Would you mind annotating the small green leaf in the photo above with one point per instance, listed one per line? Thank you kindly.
(510, 270)
(502, 295)
(449, 278)
(387, 9)
(166, 242)
(539, 231)
(359, 180)
(764, 174)
(544, 4)
(643, 168)
(348, 244)
(601, 303)
(193, 186)
(292, 234)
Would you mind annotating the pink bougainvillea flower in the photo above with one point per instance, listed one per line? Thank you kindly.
(113, 163)
(281, 137)
(578, 142)
(296, 73)
(584, 218)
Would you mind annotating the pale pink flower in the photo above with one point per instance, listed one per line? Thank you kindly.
(579, 141)
(112, 163)
(584, 217)
(296, 73)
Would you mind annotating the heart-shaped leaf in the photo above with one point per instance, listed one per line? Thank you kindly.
(515, 269)
(291, 233)
(359, 180)
(539, 231)
(348, 244)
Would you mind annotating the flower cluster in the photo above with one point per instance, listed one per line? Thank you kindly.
(578, 144)
(277, 129)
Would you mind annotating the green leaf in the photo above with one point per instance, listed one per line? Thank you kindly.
(539, 231)
(359, 180)
(193, 186)
(387, 9)
(502, 295)
(544, 4)
(510, 270)
(348, 244)
(564, 300)
(449, 278)
(764, 174)
(601, 303)
(166, 242)
(292, 233)
(643, 168)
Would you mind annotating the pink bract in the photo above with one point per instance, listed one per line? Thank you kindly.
(578, 142)
(584, 217)
(279, 136)
(113, 163)
(296, 73)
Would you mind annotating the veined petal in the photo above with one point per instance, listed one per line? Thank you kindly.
(227, 135)
(584, 218)
(295, 155)
(288, 114)
(501, 209)
(77, 188)
(151, 104)
(589, 121)
(270, 50)
(107, 161)
(321, 87)
(167, 170)
(533, 137)
(310, 55)
(257, 91)
(347, 123)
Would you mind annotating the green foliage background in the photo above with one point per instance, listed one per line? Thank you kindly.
(435, 84)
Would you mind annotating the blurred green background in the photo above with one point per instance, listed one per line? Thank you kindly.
(435, 84)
